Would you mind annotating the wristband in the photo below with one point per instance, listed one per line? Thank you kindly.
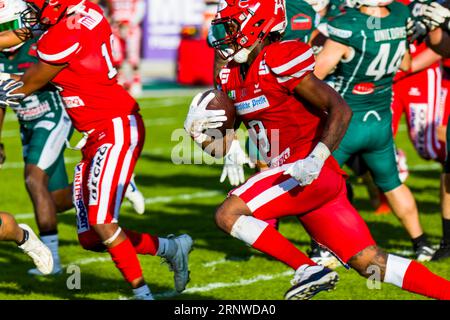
(4, 76)
(321, 151)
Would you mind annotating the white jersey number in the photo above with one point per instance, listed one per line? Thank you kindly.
(379, 66)
(112, 71)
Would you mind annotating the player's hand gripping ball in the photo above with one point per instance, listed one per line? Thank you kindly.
(209, 110)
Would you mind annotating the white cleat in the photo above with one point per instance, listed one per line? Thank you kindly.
(135, 197)
(179, 263)
(35, 272)
(309, 281)
(41, 255)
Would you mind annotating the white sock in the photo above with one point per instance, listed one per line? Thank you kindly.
(143, 293)
(166, 248)
(52, 243)
(248, 229)
(396, 269)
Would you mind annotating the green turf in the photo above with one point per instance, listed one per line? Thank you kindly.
(221, 267)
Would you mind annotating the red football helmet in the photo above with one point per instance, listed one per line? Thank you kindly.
(50, 12)
(247, 23)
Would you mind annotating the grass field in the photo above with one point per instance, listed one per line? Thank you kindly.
(182, 199)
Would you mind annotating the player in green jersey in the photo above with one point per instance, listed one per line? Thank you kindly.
(367, 45)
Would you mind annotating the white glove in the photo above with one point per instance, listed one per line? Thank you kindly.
(435, 15)
(307, 170)
(233, 167)
(199, 119)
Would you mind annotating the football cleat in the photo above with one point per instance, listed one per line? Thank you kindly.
(179, 262)
(38, 251)
(443, 252)
(323, 257)
(135, 197)
(424, 253)
(309, 281)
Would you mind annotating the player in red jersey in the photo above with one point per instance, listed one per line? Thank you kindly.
(299, 121)
(75, 54)
(126, 17)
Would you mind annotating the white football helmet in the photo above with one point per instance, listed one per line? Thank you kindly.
(10, 17)
(369, 3)
(318, 5)
(10, 11)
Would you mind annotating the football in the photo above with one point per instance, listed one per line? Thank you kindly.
(221, 101)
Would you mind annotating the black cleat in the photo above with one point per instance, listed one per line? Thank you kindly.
(443, 252)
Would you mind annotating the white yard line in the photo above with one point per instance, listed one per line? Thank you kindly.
(152, 200)
(219, 285)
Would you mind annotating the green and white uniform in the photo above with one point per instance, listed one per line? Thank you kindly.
(364, 80)
(44, 123)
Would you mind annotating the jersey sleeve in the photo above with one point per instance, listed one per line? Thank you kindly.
(59, 45)
(290, 62)
(339, 30)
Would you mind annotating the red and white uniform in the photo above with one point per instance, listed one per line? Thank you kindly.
(419, 97)
(98, 105)
(288, 130)
(127, 15)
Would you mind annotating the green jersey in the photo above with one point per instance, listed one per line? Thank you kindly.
(42, 102)
(378, 46)
(301, 18)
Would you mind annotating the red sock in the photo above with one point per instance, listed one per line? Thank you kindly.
(125, 258)
(143, 243)
(274, 244)
(419, 279)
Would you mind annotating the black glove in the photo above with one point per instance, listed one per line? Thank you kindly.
(2, 154)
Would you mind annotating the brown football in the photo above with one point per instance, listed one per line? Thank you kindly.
(221, 101)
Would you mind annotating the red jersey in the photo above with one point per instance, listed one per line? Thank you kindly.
(125, 10)
(89, 81)
(286, 128)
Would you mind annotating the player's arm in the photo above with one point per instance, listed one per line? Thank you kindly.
(330, 56)
(406, 62)
(424, 59)
(37, 76)
(13, 38)
(439, 41)
(320, 95)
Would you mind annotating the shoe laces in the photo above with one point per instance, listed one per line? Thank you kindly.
(169, 261)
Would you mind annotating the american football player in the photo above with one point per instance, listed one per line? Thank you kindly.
(299, 121)
(75, 54)
(367, 45)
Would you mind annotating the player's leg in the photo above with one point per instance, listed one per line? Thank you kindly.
(270, 194)
(44, 155)
(26, 240)
(380, 158)
(104, 186)
(135, 197)
(444, 249)
(340, 228)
